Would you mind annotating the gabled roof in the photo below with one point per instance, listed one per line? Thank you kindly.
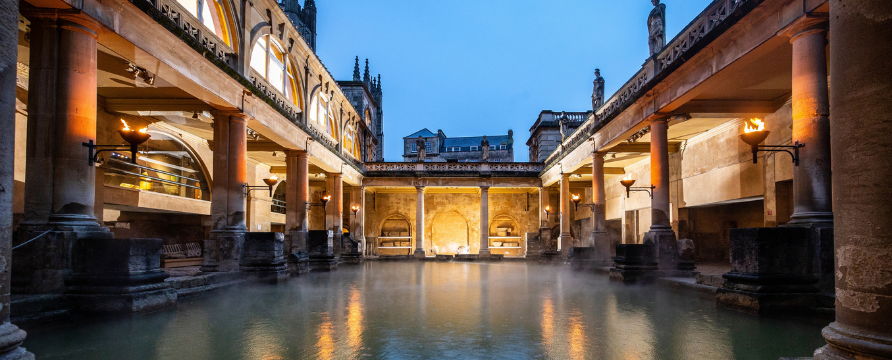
(475, 140)
(423, 133)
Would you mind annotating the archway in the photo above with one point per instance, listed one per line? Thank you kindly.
(395, 236)
(449, 232)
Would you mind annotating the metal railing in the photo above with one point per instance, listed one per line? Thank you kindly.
(278, 206)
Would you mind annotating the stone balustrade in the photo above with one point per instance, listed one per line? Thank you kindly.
(510, 169)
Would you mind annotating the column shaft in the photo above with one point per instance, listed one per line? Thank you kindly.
(419, 222)
(659, 175)
(62, 116)
(484, 222)
(10, 335)
(859, 65)
(297, 190)
(566, 239)
(238, 172)
(812, 199)
(357, 198)
(600, 238)
(543, 203)
(335, 209)
(219, 199)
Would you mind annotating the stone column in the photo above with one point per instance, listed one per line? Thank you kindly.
(859, 65)
(228, 201)
(60, 191)
(334, 214)
(419, 223)
(61, 117)
(812, 199)
(11, 336)
(661, 233)
(543, 203)
(600, 239)
(222, 250)
(357, 228)
(566, 239)
(659, 175)
(484, 223)
(297, 187)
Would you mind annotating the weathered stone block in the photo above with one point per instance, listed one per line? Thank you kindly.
(582, 258)
(320, 243)
(41, 266)
(118, 276)
(686, 254)
(222, 251)
(771, 271)
(298, 263)
(534, 246)
(666, 248)
(262, 257)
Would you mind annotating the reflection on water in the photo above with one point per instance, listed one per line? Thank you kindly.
(435, 310)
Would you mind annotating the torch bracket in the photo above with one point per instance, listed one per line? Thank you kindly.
(95, 150)
(248, 188)
(648, 189)
(793, 150)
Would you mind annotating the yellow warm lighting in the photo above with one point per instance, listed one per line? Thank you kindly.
(354, 208)
(127, 128)
(274, 177)
(627, 177)
(753, 125)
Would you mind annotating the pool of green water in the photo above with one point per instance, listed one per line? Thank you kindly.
(381, 310)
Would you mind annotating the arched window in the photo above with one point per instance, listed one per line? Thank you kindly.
(211, 15)
(368, 118)
(322, 116)
(271, 61)
(351, 142)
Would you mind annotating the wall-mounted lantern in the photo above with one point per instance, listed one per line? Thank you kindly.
(628, 182)
(134, 138)
(548, 212)
(577, 200)
(754, 134)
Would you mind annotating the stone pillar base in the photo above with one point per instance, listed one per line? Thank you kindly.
(551, 257)
(845, 344)
(484, 254)
(262, 257)
(352, 258)
(772, 270)
(534, 246)
(41, 266)
(298, 263)
(11, 338)
(119, 276)
(222, 251)
(634, 263)
(602, 249)
(666, 247)
(323, 262)
(582, 258)
(419, 254)
(295, 241)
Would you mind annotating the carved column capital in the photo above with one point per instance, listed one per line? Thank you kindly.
(809, 24)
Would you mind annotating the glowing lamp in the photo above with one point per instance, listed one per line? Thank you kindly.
(754, 133)
(133, 138)
(270, 182)
(628, 182)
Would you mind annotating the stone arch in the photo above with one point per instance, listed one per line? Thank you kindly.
(203, 173)
(395, 223)
(449, 231)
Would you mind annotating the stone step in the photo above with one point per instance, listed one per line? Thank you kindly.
(688, 284)
(192, 285)
(710, 280)
(30, 309)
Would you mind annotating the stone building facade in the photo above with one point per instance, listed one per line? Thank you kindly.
(550, 129)
(440, 148)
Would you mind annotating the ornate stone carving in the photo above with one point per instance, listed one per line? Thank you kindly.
(484, 145)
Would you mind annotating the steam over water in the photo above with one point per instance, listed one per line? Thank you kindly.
(436, 310)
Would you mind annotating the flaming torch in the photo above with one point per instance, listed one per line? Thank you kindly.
(754, 133)
(134, 138)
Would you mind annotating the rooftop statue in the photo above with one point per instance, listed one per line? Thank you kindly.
(656, 27)
(422, 150)
(485, 146)
(597, 91)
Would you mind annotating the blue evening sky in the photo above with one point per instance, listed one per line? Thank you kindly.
(475, 67)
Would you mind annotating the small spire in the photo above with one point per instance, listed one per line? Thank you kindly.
(379, 83)
(356, 70)
(366, 78)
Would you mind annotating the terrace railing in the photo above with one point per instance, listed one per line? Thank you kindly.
(455, 169)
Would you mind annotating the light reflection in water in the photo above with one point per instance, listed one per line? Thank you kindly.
(325, 342)
(436, 310)
(354, 320)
